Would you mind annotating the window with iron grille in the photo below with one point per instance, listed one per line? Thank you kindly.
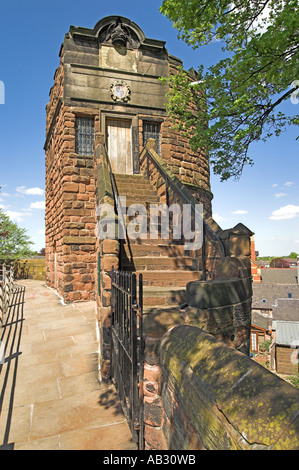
(152, 130)
(84, 136)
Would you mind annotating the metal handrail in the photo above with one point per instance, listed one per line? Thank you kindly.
(174, 182)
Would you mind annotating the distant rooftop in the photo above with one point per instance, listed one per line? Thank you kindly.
(286, 309)
(287, 333)
(261, 321)
(265, 294)
(280, 275)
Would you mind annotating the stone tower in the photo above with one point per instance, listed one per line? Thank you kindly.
(108, 135)
(107, 82)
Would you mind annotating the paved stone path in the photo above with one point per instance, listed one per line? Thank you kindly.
(50, 396)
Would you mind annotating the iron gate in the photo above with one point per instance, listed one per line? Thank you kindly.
(127, 348)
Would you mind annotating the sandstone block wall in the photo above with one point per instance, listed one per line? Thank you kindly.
(89, 63)
(223, 306)
(70, 205)
(220, 307)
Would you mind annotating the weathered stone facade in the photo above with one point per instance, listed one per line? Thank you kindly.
(107, 85)
(91, 61)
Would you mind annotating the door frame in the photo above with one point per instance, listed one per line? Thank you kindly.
(124, 120)
(133, 117)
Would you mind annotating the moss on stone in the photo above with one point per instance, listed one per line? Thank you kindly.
(237, 401)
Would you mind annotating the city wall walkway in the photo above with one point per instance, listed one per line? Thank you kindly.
(50, 396)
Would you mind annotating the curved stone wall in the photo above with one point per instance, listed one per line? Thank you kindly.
(217, 398)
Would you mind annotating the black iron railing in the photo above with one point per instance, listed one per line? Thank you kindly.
(127, 347)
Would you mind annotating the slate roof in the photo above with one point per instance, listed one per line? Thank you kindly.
(286, 309)
(279, 275)
(271, 292)
(261, 321)
(287, 333)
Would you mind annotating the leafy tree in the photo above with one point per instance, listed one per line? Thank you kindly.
(14, 242)
(3, 233)
(240, 96)
(294, 380)
(293, 255)
(279, 263)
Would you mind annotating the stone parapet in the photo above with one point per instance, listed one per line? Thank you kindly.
(108, 250)
(217, 398)
(223, 306)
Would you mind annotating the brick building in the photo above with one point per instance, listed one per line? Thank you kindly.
(107, 84)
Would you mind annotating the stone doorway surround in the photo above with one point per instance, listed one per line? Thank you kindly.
(119, 144)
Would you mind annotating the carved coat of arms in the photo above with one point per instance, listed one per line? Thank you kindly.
(120, 91)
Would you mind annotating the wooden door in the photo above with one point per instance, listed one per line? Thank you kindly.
(119, 139)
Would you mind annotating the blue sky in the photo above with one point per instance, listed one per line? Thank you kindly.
(266, 198)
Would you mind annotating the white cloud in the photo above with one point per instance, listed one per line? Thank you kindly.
(32, 191)
(16, 216)
(289, 183)
(218, 218)
(240, 212)
(287, 212)
(262, 22)
(274, 185)
(280, 195)
(38, 205)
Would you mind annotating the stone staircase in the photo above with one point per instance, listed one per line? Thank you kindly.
(165, 265)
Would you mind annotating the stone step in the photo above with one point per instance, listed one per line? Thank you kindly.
(131, 185)
(164, 263)
(144, 199)
(163, 296)
(159, 309)
(126, 176)
(125, 179)
(176, 278)
(146, 195)
(149, 263)
(124, 187)
(154, 238)
(148, 233)
(158, 250)
(135, 180)
(156, 241)
(150, 219)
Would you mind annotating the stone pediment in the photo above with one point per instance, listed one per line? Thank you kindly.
(118, 31)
